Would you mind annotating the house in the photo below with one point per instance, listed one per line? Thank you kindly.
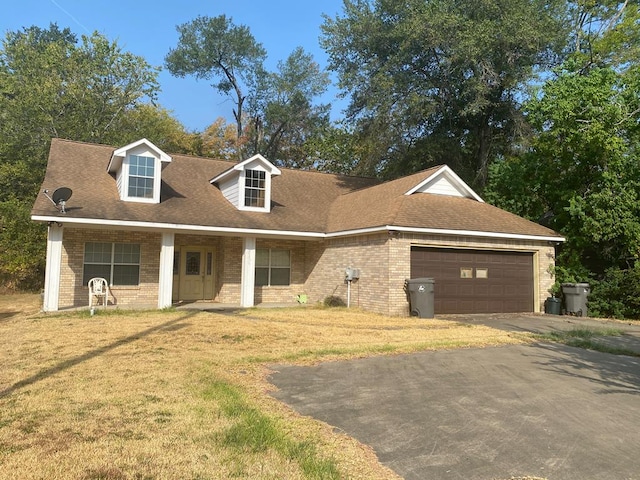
(175, 228)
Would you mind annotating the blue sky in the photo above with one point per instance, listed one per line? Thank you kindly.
(147, 29)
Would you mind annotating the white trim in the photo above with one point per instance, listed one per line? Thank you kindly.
(248, 278)
(291, 233)
(175, 226)
(453, 177)
(239, 167)
(165, 276)
(122, 152)
(53, 268)
(473, 233)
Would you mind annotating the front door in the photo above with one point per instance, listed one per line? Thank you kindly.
(196, 274)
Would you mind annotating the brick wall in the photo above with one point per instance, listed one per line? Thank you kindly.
(385, 263)
(74, 294)
(327, 263)
(317, 267)
(230, 262)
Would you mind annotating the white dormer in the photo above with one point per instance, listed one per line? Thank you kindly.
(248, 184)
(445, 182)
(138, 167)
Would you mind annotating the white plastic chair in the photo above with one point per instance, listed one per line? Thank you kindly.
(98, 288)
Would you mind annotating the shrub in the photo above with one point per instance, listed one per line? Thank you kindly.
(617, 294)
(334, 301)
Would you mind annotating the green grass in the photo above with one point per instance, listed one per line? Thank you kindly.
(253, 431)
(587, 338)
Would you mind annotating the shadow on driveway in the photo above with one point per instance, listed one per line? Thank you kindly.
(543, 410)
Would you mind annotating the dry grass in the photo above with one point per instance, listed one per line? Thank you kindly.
(151, 395)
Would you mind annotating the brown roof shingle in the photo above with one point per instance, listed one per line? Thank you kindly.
(302, 201)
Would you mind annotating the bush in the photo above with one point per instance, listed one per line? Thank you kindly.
(334, 301)
(617, 294)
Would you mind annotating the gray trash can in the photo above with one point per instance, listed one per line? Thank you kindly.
(575, 298)
(420, 296)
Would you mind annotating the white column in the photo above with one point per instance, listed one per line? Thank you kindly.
(248, 272)
(53, 268)
(165, 277)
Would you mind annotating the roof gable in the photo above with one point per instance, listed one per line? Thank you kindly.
(143, 144)
(256, 162)
(444, 181)
(247, 185)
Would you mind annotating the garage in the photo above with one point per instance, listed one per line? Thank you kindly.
(476, 281)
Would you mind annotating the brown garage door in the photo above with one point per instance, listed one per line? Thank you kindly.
(476, 281)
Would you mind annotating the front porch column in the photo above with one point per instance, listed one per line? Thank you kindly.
(165, 277)
(53, 268)
(248, 272)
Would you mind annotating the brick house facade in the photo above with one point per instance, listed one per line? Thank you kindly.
(167, 229)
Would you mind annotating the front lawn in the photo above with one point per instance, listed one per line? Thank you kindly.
(183, 395)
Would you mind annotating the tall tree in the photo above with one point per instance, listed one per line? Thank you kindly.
(284, 116)
(436, 81)
(216, 49)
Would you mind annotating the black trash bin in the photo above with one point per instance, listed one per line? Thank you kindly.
(420, 296)
(553, 306)
(575, 298)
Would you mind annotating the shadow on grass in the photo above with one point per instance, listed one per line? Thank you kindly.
(170, 325)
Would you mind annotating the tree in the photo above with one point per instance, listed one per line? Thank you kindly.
(215, 48)
(604, 33)
(438, 81)
(157, 125)
(581, 175)
(219, 141)
(51, 85)
(284, 117)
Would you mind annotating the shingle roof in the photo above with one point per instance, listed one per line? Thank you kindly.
(302, 201)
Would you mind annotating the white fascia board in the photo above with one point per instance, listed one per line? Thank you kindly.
(473, 233)
(288, 233)
(438, 231)
(97, 222)
(445, 170)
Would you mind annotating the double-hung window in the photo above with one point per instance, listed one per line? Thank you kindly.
(141, 176)
(254, 188)
(118, 263)
(273, 267)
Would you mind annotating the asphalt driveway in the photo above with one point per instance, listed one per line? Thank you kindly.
(541, 410)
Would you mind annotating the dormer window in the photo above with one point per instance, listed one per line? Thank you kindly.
(247, 185)
(137, 168)
(141, 176)
(254, 188)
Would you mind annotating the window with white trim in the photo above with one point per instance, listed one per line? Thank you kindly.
(118, 263)
(141, 176)
(273, 267)
(254, 188)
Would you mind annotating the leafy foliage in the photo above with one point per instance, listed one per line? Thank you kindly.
(52, 85)
(215, 48)
(284, 118)
(434, 82)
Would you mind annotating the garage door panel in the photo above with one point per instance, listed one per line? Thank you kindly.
(495, 281)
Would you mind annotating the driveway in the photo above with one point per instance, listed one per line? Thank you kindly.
(541, 410)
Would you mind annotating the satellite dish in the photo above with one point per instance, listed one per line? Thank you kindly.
(62, 194)
(59, 198)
